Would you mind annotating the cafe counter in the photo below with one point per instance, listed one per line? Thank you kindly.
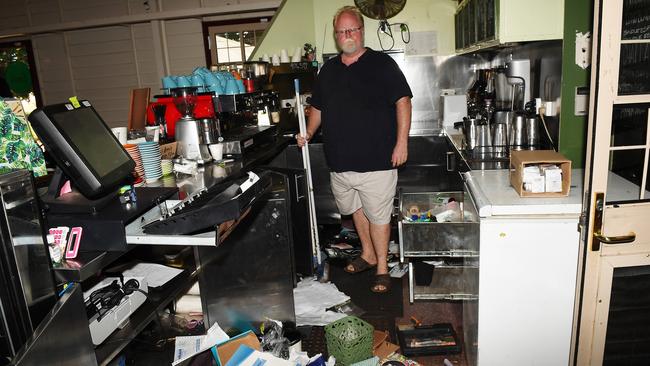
(240, 265)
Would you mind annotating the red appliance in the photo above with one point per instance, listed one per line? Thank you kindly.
(204, 109)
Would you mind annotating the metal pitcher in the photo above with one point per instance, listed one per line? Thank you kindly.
(500, 139)
(470, 126)
(532, 132)
(518, 133)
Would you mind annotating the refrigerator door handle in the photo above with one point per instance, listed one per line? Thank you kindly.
(298, 195)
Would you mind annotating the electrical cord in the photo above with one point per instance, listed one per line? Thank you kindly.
(542, 110)
(102, 300)
(385, 27)
(132, 286)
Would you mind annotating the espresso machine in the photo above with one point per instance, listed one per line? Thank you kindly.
(248, 121)
(193, 135)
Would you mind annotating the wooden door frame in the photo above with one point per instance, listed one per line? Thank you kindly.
(606, 49)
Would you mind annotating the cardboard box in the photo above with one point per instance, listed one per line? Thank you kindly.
(380, 345)
(228, 348)
(221, 353)
(520, 159)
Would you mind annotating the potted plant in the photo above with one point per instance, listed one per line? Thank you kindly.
(310, 52)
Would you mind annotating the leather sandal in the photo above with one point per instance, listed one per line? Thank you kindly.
(359, 265)
(382, 283)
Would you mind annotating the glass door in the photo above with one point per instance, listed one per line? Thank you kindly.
(612, 306)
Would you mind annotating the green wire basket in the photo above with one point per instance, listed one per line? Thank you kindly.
(349, 340)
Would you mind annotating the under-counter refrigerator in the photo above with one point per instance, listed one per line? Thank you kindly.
(528, 264)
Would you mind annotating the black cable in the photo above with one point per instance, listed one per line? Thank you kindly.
(404, 28)
(385, 27)
(102, 300)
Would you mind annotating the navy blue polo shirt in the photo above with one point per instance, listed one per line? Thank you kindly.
(358, 112)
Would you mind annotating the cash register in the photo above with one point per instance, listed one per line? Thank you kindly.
(86, 152)
(91, 166)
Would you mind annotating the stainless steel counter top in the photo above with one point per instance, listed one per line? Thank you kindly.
(494, 196)
(206, 177)
(211, 174)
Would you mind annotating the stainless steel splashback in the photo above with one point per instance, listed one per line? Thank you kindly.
(429, 75)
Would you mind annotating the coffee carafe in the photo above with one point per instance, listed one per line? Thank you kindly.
(189, 131)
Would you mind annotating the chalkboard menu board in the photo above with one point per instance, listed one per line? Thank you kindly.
(466, 22)
(471, 8)
(634, 69)
(490, 20)
(457, 27)
(636, 19)
(629, 124)
(475, 23)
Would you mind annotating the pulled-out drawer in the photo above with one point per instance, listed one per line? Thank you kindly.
(447, 283)
(454, 234)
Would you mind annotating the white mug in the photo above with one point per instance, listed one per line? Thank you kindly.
(275, 59)
(284, 56)
(121, 133)
(216, 150)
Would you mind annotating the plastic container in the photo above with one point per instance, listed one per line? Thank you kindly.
(349, 340)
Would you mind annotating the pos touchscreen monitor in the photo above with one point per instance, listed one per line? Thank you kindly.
(83, 147)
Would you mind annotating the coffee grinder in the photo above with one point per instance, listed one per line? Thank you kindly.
(192, 144)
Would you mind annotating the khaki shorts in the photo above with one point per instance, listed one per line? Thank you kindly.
(372, 191)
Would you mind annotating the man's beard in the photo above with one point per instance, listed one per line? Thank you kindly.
(349, 46)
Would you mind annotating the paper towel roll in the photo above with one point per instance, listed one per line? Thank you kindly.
(189, 304)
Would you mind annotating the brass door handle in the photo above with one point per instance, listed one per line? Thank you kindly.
(615, 239)
(598, 236)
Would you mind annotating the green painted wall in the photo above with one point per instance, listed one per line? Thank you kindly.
(291, 27)
(300, 21)
(420, 15)
(578, 17)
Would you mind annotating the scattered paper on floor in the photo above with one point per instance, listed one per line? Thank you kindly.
(312, 298)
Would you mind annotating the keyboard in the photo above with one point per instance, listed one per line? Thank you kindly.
(209, 207)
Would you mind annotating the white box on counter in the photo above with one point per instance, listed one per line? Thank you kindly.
(550, 164)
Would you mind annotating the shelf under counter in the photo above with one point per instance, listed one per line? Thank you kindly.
(156, 301)
(86, 265)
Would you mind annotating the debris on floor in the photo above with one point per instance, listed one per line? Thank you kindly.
(312, 299)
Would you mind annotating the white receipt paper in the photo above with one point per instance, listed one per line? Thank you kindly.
(187, 346)
(156, 274)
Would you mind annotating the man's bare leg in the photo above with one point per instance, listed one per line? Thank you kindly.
(380, 235)
(362, 226)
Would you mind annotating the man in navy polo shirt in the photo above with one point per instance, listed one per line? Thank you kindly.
(363, 103)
